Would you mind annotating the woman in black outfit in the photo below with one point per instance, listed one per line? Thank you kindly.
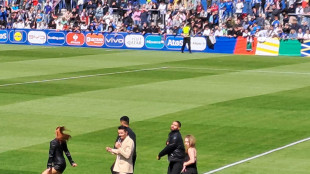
(190, 164)
(56, 162)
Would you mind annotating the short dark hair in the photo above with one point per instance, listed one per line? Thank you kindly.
(124, 118)
(179, 123)
(123, 128)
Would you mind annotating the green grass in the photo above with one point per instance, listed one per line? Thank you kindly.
(236, 106)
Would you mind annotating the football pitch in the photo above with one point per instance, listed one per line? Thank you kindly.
(237, 107)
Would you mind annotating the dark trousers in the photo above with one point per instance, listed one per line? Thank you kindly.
(186, 40)
(175, 167)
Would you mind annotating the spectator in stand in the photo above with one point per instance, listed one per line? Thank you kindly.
(99, 12)
(293, 34)
(145, 29)
(239, 7)
(218, 32)
(136, 17)
(299, 11)
(300, 35)
(248, 7)
(257, 5)
(307, 35)
(80, 5)
(154, 28)
(162, 9)
(275, 22)
(144, 15)
(3, 17)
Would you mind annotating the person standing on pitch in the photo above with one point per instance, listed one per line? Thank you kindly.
(190, 163)
(186, 37)
(174, 149)
(124, 151)
(56, 163)
(124, 121)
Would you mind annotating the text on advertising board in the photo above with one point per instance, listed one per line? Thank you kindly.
(18, 36)
(198, 43)
(154, 42)
(36, 37)
(75, 39)
(56, 38)
(174, 42)
(3, 36)
(134, 41)
(94, 40)
(114, 40)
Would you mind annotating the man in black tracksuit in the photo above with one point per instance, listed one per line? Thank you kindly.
(174, 149)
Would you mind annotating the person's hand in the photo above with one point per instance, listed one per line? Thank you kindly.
(117, 145)
(158, 158)
(184, 169)
(109, 149)
(74, 164)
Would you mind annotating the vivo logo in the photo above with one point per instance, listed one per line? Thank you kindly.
(115, 40)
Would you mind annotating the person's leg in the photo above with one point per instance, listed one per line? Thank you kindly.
(182, 49)
(47, 171)
(189, 45)
(54, 171)
(170, 165)
(177, 168)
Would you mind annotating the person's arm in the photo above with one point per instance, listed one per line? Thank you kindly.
(170, 147)
(66, 150)
(192, 158)
(51, 154)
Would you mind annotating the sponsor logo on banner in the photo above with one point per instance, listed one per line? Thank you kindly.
(94, 40)
(154, 42)
(75, 39)
(134, 41)
(18, 36)
(174, 42)
(56, 38)
(36, 37)
(3, 36)
(198, 43)
(114, 40)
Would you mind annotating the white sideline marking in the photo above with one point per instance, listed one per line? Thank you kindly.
(257, 156)
(78, 77)
(235, 70)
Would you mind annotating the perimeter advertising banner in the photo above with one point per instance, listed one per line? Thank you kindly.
(56, 38)
(131, 41)
(36, 37)
(115, 40)
(4, 37)
(18, 36)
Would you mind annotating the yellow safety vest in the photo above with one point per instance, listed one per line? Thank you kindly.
(186, 30)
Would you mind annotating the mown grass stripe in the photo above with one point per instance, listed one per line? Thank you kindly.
(258, 156)
(83, 76)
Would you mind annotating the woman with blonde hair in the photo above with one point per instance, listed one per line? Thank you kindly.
(56, 163)
(190, 164)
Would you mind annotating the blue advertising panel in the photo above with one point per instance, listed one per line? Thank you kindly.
(18, 36)
(3, 36)
(174, 42)
(114, 40)
(223, 45)
(154, 42)
(56, 38)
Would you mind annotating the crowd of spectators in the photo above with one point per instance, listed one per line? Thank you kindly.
(231, 18)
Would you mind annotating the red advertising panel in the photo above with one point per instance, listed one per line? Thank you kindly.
(241, 46)
(75, 39)
(96, 40)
